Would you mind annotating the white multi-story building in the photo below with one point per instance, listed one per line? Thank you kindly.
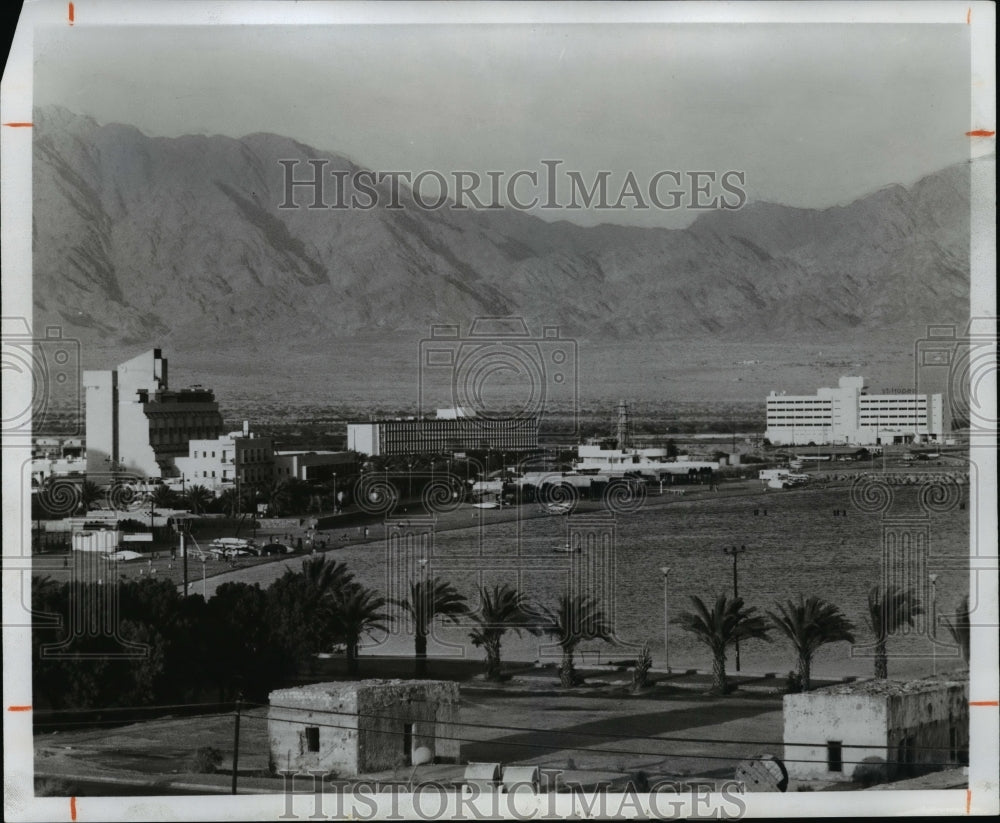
(222, 463)
(137, 425)
(847, 415)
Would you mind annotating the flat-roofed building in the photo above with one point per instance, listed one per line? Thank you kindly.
(364, 726)
(443, 435)
(238, 458)
(313, 465)
(849, 415)
(897, 727)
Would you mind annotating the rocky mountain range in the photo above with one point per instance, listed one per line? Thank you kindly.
(142, 241)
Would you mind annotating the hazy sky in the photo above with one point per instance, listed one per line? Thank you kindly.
(815, 115)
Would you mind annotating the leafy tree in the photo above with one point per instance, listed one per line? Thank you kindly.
(429, 599)
(960, 628)
(502, 608)
(810, 624)
(725, 624)
(889, 609)
(575, 619)
(357, 611)
(246, 656)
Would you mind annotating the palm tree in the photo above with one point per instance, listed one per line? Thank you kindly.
(428, 599)
(960, 628)
(502, 608)
(324, 575)
(575, 619)
(198, 498)
(277, 498)
(720, 627)
(889, 609)
(356, 612)
(810, 624)
(164, 497)
(90, 493)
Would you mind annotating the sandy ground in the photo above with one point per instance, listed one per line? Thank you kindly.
(600, 732)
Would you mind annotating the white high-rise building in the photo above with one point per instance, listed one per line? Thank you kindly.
(137, 425)
(846, 415)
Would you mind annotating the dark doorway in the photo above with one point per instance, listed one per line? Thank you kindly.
(408, 744)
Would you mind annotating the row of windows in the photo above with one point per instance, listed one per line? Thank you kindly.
(255, 455)
(400, 437)
(206, 453)
(179, 436)
(170, 421)
(884, 409)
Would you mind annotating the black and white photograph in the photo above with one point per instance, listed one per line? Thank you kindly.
(485, 411)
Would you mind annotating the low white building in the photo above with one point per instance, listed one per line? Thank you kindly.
(312, 465)
(356, 727)
(219, 463)
(900, 727)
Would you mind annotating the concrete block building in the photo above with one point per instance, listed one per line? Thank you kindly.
(904, 726)
(364, 726)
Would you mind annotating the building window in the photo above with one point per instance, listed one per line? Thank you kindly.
(834, 756)
(312, 738)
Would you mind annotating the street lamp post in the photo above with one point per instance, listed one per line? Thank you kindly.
(735, 552)
(933, 578)
(665, 571)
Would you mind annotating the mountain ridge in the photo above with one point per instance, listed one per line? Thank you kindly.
(180, 241)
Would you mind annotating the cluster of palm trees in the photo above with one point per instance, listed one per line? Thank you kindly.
(343, 610)
(808, 624)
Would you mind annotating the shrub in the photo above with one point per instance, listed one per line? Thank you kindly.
(870, 772)
(793, 683)
(640, 781)
(206, 760)
(643, 663)
(50, 787)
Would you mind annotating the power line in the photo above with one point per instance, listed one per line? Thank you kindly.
(611, 736)
(589, 749)
(607, 735)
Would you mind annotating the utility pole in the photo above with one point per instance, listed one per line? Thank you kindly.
(236, 739)
(184, 555)
(734, 553)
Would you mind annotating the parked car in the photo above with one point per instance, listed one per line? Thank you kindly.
(275, 548)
